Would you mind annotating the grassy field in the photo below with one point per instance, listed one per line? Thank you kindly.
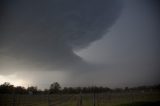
(104, 99)
(155, 103)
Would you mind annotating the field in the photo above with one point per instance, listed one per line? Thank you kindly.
(103, 99)
(155, 103)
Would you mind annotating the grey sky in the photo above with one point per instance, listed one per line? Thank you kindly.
(107, 43)
(131, 49)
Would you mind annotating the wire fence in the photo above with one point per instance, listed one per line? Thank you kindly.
(101, 99)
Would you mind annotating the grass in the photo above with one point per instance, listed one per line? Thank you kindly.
(104, 99)
(156, 103)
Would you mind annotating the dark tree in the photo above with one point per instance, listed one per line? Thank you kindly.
(20, 90)
(6, 88)
(55, 87)
(32, 90)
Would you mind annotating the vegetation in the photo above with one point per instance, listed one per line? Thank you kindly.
(101, 99)
(78, 96)
(55, 88)
(156, 103)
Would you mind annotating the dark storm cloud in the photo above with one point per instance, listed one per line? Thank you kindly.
(46, 32)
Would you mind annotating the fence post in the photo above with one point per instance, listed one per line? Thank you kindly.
(48, 100)
(94, 99)
(98, 99)
(132, 97)
(80, 101)
(14, 99)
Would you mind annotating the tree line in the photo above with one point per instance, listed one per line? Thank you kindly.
(55, 88)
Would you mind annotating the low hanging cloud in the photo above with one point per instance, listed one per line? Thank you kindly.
(45, 33)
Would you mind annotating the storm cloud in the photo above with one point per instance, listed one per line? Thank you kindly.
(45, 33)
(112, 43)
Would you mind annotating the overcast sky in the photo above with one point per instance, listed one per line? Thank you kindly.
(80, 43)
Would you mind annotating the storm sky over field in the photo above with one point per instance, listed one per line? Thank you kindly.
(111, 43)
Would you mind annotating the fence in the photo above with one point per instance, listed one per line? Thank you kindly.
(103, 99)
